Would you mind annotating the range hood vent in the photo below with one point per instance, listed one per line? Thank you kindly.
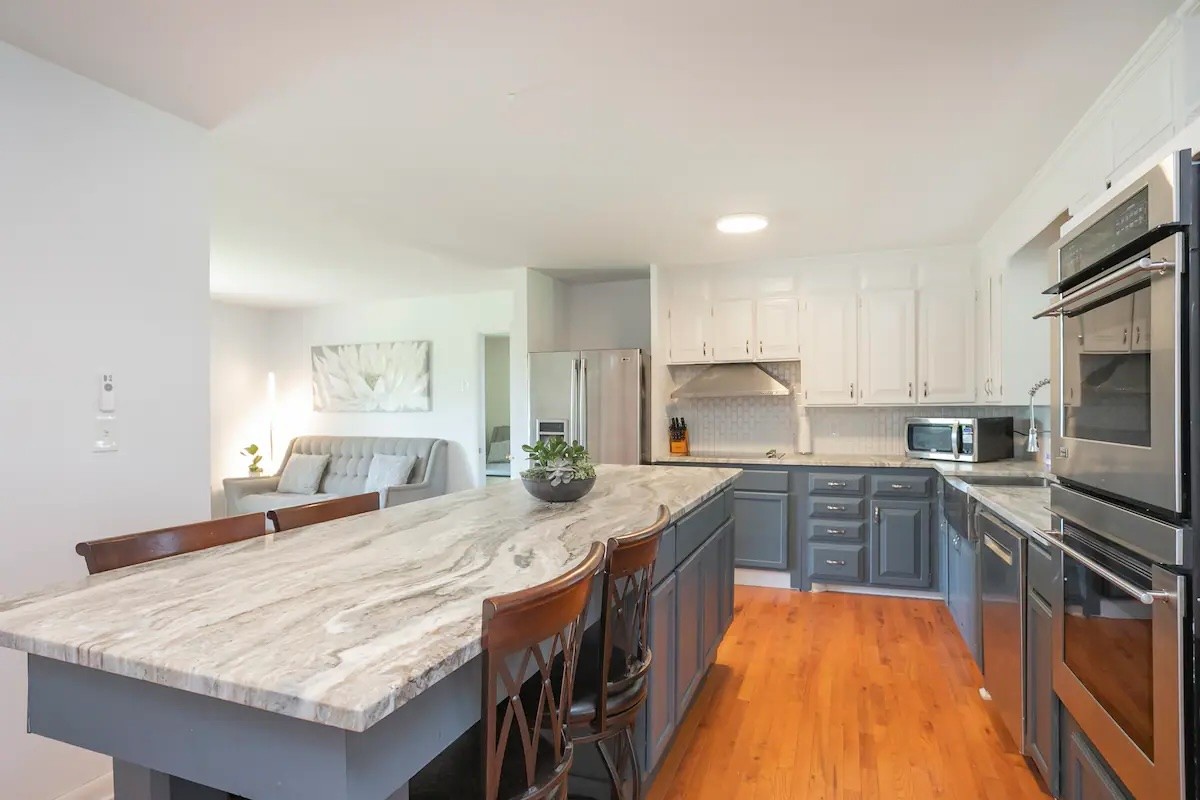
(732, 380)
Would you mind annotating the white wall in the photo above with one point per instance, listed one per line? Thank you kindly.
(453, 323)
(104, 236)
(607, 315)
(242, 353)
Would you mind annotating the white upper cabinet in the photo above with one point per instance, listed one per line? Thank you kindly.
(946, 345)
(777, 322)
(688, 322)
(991, 345)
(829, 372)
(732, 330)
(888, 348)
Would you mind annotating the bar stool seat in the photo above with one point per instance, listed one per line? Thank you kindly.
(587, 689)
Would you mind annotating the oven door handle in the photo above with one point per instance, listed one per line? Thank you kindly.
(1142, 265)
(1145, 596)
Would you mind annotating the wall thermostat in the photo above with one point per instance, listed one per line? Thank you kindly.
(108, 397)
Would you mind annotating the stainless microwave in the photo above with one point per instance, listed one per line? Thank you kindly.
(959, 438)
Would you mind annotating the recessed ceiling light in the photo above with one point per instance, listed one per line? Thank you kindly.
(741, 223)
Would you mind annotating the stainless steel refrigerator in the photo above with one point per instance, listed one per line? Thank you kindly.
(595, 397)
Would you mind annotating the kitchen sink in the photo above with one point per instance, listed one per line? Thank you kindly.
(1003, 480)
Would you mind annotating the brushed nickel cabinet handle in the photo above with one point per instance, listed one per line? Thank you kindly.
(876, 513)
(852, 391)
(836, 484)
(833, 563)
(760, 349)
(899, 487)
(910, 388)
(927, 388)
(835, 508)
(1125, 336)
(747, 347)
(836, 532)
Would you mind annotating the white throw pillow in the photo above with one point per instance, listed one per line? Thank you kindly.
(302, 473)
(388, 471)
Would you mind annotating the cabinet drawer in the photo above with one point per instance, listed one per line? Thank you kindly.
(665, 565)
(761, 480)
(836, 562)
(834, 531)
(1043, 570)
(832, 483)
(900, 485)
(692, 530)
(839, 507)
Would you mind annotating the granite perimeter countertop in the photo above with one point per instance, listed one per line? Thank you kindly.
(1017, 468)
(1027, 508)
(343, 622)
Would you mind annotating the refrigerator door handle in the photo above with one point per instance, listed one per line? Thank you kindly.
(583, 406)
(572, 422)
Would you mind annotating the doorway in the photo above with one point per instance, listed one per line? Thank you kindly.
(497, 436)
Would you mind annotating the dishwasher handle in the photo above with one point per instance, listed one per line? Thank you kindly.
(1002, 552)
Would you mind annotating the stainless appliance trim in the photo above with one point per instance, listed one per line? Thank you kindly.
(583, 404)
(1136, 592)
(1162, 774)
(1157, 541)
(1145, 472)
(572, 427)
(1087, 290)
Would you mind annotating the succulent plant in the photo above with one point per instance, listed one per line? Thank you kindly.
(558, 462)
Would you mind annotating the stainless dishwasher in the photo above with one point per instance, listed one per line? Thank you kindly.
(1002, 585)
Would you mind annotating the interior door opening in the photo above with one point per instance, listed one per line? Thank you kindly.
(495, 454)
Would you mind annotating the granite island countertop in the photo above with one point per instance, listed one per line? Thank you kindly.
(1018, 468)
(343, 622)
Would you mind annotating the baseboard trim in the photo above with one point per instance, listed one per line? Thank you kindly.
(911, 594)
(99, 789)
(769, 578)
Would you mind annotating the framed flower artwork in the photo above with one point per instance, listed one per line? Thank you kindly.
(388, 377)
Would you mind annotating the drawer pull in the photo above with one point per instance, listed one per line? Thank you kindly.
(836, 532)
(836, 484)
(834, 563)
(899, 487)
(835, 508)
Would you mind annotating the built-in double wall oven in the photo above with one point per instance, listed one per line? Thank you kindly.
(1121, 510)
(1117, 386)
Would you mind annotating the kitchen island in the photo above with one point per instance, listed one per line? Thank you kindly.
(333, 662)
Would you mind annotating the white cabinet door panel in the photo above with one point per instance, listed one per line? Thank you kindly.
(829, 352)
(777, 322)
(946, 345)
(887, 347)
(733, 330)
(688, 323)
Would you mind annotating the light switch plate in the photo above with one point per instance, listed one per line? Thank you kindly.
(104, 439)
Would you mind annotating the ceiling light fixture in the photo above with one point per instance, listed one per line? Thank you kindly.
(741, 223)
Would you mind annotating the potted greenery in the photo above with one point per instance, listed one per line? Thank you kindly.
(251, 452)
(558, 472)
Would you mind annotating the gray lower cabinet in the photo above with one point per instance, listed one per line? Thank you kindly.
(962, 591)
(712, 588)
(660, 695)
(900, 544)
(689, 637)
(1085, 775)
(1041, 712)
(726, 543)
(761, 538)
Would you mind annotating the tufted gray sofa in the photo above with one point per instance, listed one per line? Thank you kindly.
(350, 458)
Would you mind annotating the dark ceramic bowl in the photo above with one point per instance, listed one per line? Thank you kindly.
(563, 493)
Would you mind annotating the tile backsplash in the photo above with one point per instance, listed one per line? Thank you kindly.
(754, 424)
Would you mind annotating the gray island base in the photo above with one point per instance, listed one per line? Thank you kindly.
(334, 662)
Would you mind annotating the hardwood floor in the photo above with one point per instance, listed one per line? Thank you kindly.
(845, 697)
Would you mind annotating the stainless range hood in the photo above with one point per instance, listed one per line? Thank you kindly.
(732, 380)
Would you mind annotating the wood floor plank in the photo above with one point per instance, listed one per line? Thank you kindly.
(827, 696)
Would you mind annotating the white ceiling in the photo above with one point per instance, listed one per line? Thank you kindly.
(614, 132)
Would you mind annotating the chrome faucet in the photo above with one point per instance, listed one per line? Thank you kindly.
(1031, 443)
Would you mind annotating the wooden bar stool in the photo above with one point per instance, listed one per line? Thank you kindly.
(528, 637)
(286, 519)
(115, 552)
(611, 682)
